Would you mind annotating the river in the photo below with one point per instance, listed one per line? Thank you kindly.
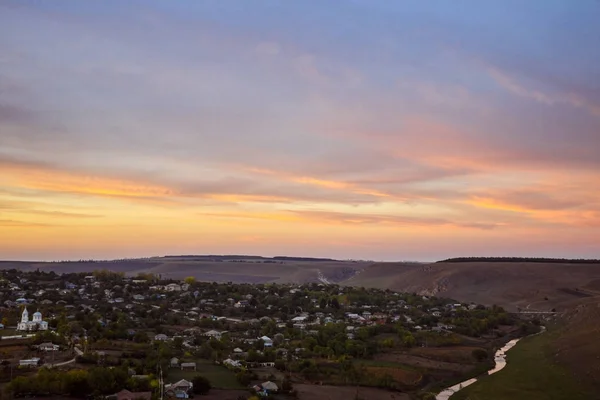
(499, 358)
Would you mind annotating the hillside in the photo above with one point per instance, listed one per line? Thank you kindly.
(526, 285)
(237, 269)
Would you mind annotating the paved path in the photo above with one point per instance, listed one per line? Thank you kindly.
(78, 352)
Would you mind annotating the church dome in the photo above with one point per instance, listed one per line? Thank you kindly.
(37, 313)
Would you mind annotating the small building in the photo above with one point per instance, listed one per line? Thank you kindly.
(188, 366)
(232, 363)
(173, 287)
(270, 387)
(48, 347)
(179, 390)
(161, 337)
(31, 362)
(174, 362)
(268, 342)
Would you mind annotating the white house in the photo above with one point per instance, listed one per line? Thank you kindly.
(32, 362)
(173, 287)
(36, 324)
(48, 347)
(232, 363)
(268, 342)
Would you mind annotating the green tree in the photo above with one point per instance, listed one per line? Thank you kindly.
(479, 354)
(201, 385)
(77, 383)
(190, 280)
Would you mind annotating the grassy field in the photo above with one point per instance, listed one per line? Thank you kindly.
(10, 332)
(531, 374)
(219, 377)
(386, 364)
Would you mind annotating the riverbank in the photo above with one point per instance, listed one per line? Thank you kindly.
(500, 363)
(530, 373)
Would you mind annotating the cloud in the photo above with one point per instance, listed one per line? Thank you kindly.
(60, 214)
(514, 87)
(23, 224)
(388, 220)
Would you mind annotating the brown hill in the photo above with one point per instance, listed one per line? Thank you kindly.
(577, 345)
(526, 285)
(217, 270)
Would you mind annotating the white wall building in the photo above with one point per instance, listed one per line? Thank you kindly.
(37, 323)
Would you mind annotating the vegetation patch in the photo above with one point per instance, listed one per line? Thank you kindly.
(219, 377)
(531, 374)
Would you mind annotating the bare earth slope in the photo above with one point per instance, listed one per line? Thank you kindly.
(526, 285)
(245, 271)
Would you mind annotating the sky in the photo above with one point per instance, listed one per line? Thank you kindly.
(362, 129)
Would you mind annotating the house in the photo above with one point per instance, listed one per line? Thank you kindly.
(214, 334)
(32, 362)
(161, 337)
(267, 341)
(179, 390)
(127, 395)
(174, 362)
(48, 347)
(232, 363)
(173, 287)
(139, 297)
(188, 366)
(269, 387)
(237, 350)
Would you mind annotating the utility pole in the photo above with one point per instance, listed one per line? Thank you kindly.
(161, 383)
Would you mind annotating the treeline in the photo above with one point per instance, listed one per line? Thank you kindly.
(311, 259)
(520, 260)
(76, 383)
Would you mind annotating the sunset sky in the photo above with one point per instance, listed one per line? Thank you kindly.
(374, 129)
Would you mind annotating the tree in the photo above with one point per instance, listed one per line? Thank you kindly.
(286, 385)
(479, 354)
(77, 384)
(190, 280)
(201, 385)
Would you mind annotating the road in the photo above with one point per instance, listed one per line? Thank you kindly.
(78, 352)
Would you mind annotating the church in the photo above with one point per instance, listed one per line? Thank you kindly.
(36, 324)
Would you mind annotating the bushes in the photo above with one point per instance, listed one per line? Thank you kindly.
(479, 355)
(201, 385)
(75, 383)
(244, 377)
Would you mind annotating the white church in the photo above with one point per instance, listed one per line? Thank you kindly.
(36, 324)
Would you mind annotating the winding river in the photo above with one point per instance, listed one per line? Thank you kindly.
(499, 358)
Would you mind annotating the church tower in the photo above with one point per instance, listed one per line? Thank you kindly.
(37, 317)
(25, 316)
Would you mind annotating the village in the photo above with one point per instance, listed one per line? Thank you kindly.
(107, 335)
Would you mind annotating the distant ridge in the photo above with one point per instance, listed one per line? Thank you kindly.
(520, 259)
(245, 257)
